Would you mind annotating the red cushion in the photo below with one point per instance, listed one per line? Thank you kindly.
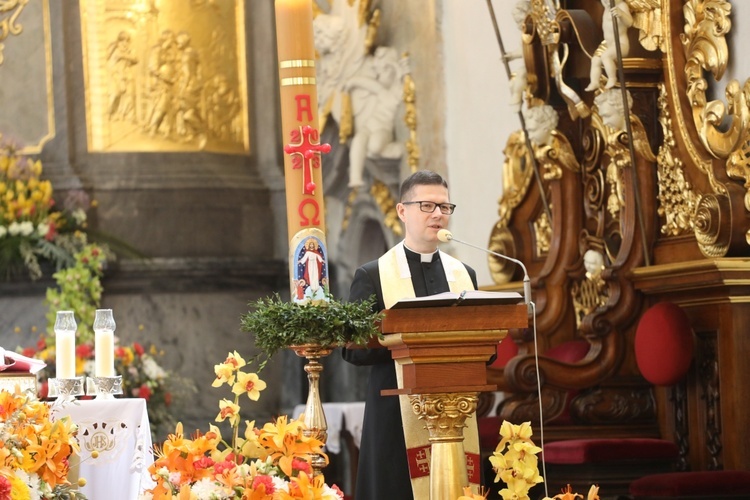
(708, 483)
(584, 451)
(489, 432)
(664, 344)
(569, 352)
(506, 350)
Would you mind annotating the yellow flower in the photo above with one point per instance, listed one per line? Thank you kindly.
(469, 495)
(593, 493)
(568, 494)
(225, 371)
(286, 441)
(228, 410)
(248, 383)
(304, 487)
(250, 447)
(18, 489)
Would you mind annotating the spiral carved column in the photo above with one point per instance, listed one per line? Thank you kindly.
(445, 417)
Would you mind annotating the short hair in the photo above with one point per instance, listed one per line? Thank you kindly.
(421, 178)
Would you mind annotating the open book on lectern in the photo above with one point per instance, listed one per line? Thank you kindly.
(465, 298)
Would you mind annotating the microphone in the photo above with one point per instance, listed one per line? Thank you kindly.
(445, 236)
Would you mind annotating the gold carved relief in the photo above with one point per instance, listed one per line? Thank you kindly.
(542, 234)
(382, 196)
(721, 127)
(9, 12)
(167, 76)
(677, 201)
(647, 19)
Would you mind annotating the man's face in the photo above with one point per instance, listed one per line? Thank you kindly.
(422, 227)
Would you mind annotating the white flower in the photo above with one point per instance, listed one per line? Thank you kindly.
(27, 228)
(174, 478)
(79, 215)
(206, 489)
(23, 228)
(330, 494)
(36, 487)
(42, 229)
(243, 470)
(266, 467)
(89, 366)
(152, 369)
(280, 484)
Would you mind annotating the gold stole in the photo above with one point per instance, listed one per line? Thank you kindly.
(395, 283)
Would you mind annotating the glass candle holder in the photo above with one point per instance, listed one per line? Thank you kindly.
(104, 387)
(65, 389)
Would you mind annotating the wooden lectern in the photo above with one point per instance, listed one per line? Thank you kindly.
(443, 352)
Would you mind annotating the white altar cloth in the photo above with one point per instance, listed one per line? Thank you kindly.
(119, 430)
(339, 417)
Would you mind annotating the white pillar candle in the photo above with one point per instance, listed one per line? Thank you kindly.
(65, 354)
(104, 353)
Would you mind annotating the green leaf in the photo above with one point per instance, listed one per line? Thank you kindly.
(278, 324)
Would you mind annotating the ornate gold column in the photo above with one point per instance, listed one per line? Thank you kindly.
(445, 417)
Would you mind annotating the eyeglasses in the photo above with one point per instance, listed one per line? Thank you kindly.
(429, 206)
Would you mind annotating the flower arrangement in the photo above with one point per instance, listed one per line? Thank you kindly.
(270, 463)
(33, 229)
(278, 324)
(515, 462)
(34, 451)
(79, 289)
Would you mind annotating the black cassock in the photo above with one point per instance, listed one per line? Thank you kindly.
(383, 472)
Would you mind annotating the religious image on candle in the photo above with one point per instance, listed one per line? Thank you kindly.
(309, 266)
(104, 343)
(65, 345)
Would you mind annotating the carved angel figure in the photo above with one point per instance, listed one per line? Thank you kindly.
(591, 292)
(376, 94)
(518, 81)
(551, 148)
(612, 111)
(605, 55)
(612, 108)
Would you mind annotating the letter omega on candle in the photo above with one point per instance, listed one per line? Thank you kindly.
(104, 353)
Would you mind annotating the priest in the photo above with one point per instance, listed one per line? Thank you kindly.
(413, 268)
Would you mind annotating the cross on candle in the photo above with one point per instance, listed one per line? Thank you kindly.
(305, 149)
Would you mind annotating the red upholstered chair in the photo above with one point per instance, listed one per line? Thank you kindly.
(714, 485)
(665, 328)
(663, 351)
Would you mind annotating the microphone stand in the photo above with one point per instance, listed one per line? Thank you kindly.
(447, 236)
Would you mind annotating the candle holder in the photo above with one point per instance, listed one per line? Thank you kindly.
(65, 389)
(104, 387)
(315, 418)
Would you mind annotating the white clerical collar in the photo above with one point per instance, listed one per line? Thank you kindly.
(423, 257)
